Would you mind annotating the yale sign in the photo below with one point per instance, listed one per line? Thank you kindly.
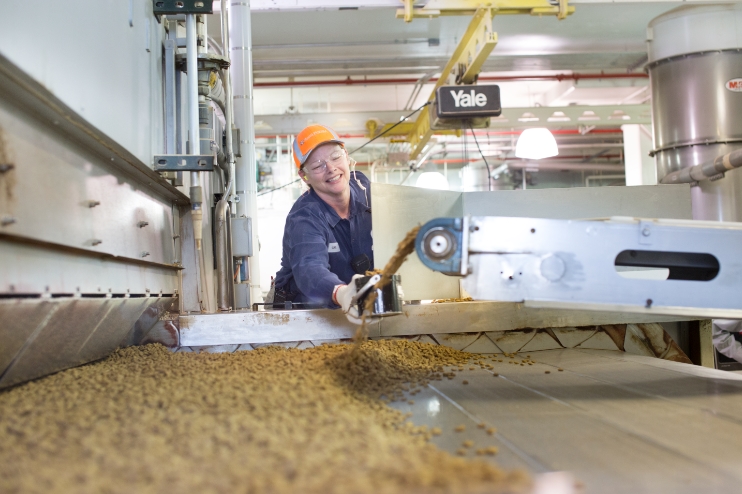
(468, 101)
(461, 99)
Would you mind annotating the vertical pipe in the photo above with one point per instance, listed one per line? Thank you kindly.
(224, 270)
(178, 122)
(245, 173)
(179, 116)
(229, 102)
(193, 130)
(169, 95)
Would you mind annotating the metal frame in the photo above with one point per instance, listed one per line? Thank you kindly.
(435, 8)
(462, 68)
(572, 264)
(475, 45)
(33, 99)
(276, 326)
(176, 7)
(510, 118)
(185, 162)
(40, 337)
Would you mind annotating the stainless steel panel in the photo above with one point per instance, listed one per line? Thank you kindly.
(695, 28)
(108, 333)
(63, 333)
(696, 119)
(55, 346)
(267, 327)
(154, 309)
(18, 321)
(712, 200)
(499, 316)
(39, 268)
(108, 71)
(242, 237)
(56, 182)
(34, 100)
(326, 324)
(396, 210)
(648, 201)
(618, 423)
(190, 296)
(690, 103)
(570, 264)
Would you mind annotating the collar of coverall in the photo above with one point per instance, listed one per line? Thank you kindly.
(356, 204)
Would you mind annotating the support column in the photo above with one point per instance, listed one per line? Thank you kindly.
(240, 37)
(640, 167)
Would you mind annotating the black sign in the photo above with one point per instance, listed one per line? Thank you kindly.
(468, 101)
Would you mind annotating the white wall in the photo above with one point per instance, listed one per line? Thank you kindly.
(640, 167)
(103, 59)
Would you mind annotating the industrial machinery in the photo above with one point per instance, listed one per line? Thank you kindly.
(130, 201)
(670, 267)
(101, 248)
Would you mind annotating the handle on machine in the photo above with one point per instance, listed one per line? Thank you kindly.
(362, 291)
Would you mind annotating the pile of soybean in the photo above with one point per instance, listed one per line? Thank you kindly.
(268, 420)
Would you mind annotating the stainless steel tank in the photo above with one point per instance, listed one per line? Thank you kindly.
(695, 70)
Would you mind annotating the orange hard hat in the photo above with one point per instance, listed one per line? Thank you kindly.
(308, 139)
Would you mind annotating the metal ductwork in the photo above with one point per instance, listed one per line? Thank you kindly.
(716, 170)
(695, 70)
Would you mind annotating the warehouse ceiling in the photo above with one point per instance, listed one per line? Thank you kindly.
(327, 41)
(373, 42)
(304, 49)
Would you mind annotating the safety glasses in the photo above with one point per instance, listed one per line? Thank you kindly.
(319, 167)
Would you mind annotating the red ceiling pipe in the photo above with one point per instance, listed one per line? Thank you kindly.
(483, 133)
(575, 158)
(495, 78)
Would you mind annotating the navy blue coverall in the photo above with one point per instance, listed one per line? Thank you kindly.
(318, 246)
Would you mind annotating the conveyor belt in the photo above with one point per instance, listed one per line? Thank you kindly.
(618, 422)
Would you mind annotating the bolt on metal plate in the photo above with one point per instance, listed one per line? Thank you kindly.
(184, 163)
(174, 7)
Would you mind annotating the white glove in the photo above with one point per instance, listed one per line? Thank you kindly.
(721, 334)
(343, 294)
(400, 293)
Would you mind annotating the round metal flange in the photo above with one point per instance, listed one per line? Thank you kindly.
(206, 61)
(439, 244)
(552, 267)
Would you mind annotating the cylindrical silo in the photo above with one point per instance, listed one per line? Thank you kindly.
(695, 70)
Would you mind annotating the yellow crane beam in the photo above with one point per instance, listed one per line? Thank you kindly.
(462, 68)
(435, 8)
(475, 46)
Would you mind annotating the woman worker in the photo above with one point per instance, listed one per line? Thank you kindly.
(327, 239)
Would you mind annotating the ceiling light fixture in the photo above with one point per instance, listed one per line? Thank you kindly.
(535, 144)
(432, 180)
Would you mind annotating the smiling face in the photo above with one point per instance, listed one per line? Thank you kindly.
(332, 180)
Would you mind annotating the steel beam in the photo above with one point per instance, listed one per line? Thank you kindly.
(30, 98)
(354, 123)
(435, 8)
(326, 324)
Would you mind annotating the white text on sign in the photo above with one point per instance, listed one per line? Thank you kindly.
(462, 99)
